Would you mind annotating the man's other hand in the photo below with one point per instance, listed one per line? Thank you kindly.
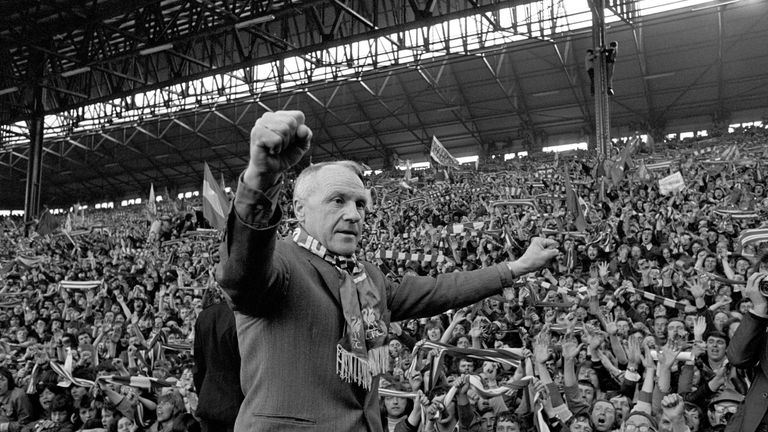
(538, 254)
(752, 292)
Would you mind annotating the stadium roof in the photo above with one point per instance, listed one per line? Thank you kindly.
(144, 91)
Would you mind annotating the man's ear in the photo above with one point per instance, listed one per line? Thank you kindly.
(299, 210)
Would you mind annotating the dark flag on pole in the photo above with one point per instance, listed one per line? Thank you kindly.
(572, 201)
(47, 223)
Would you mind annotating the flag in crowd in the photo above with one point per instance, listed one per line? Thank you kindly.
(731, 153)
(151, 203)
(408, 170)
(573, 201)
(642, 173)
(441, 155)
(47, 224)
(215, 201)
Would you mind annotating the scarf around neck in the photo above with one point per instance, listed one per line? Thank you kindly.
(360, 353)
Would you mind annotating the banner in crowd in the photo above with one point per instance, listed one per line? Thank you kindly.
(671, 183)
(441, 155)
(215, 202)
(461, 227)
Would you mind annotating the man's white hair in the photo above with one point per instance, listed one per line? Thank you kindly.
(305, 183)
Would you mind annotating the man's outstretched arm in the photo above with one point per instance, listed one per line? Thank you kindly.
(426, 296)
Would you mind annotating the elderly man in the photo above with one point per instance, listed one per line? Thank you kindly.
(311, 320)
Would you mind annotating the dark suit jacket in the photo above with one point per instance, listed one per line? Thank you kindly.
(748, 349)
(289, 321)
(217, 365)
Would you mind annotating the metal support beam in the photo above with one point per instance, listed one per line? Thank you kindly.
(602, 112)
(34, 167)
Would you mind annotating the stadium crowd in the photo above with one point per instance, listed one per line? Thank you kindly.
(635, 327)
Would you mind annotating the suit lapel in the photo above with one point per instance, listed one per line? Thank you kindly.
(330, 275)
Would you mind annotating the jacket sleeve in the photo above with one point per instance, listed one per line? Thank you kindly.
(424, 296)
(250, 271)
(198, 371)
(404, 426)
(24, 411)
(575, 403)
(744, 349)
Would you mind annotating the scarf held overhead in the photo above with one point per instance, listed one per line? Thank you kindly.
(361, 353)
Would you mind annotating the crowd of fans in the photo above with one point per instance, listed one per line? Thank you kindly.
(626, 330)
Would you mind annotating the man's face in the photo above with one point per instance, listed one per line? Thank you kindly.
(623, 327)
(722, 412)
(636, 423)
(695, 248)
(106, 417)
(488, 419)
(715, 348)
(78, 392)
(592, 252)
(45, 398)
(87, 414)
(587, 393)
(83, 339)
(660, 326)
(621, 407)
(507, 426)
(581, 426)
(395, 347)
(164, 410)
(124, 424)
(334, 209)
(395, 406)
(603, 416)
(647, 235)
(710, 263)
(465, 366)
(675, 329)
(692, 419)
(59, 416)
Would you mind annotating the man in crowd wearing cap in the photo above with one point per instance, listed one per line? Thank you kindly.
(305, 306)
(722, 408)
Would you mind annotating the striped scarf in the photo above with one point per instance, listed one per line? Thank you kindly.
(361, 353)
(668, 302)
(510, 357)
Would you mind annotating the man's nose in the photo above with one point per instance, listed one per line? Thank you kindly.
(351, 212)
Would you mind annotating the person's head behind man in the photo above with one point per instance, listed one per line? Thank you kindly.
(507, 422)
(330, 200)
